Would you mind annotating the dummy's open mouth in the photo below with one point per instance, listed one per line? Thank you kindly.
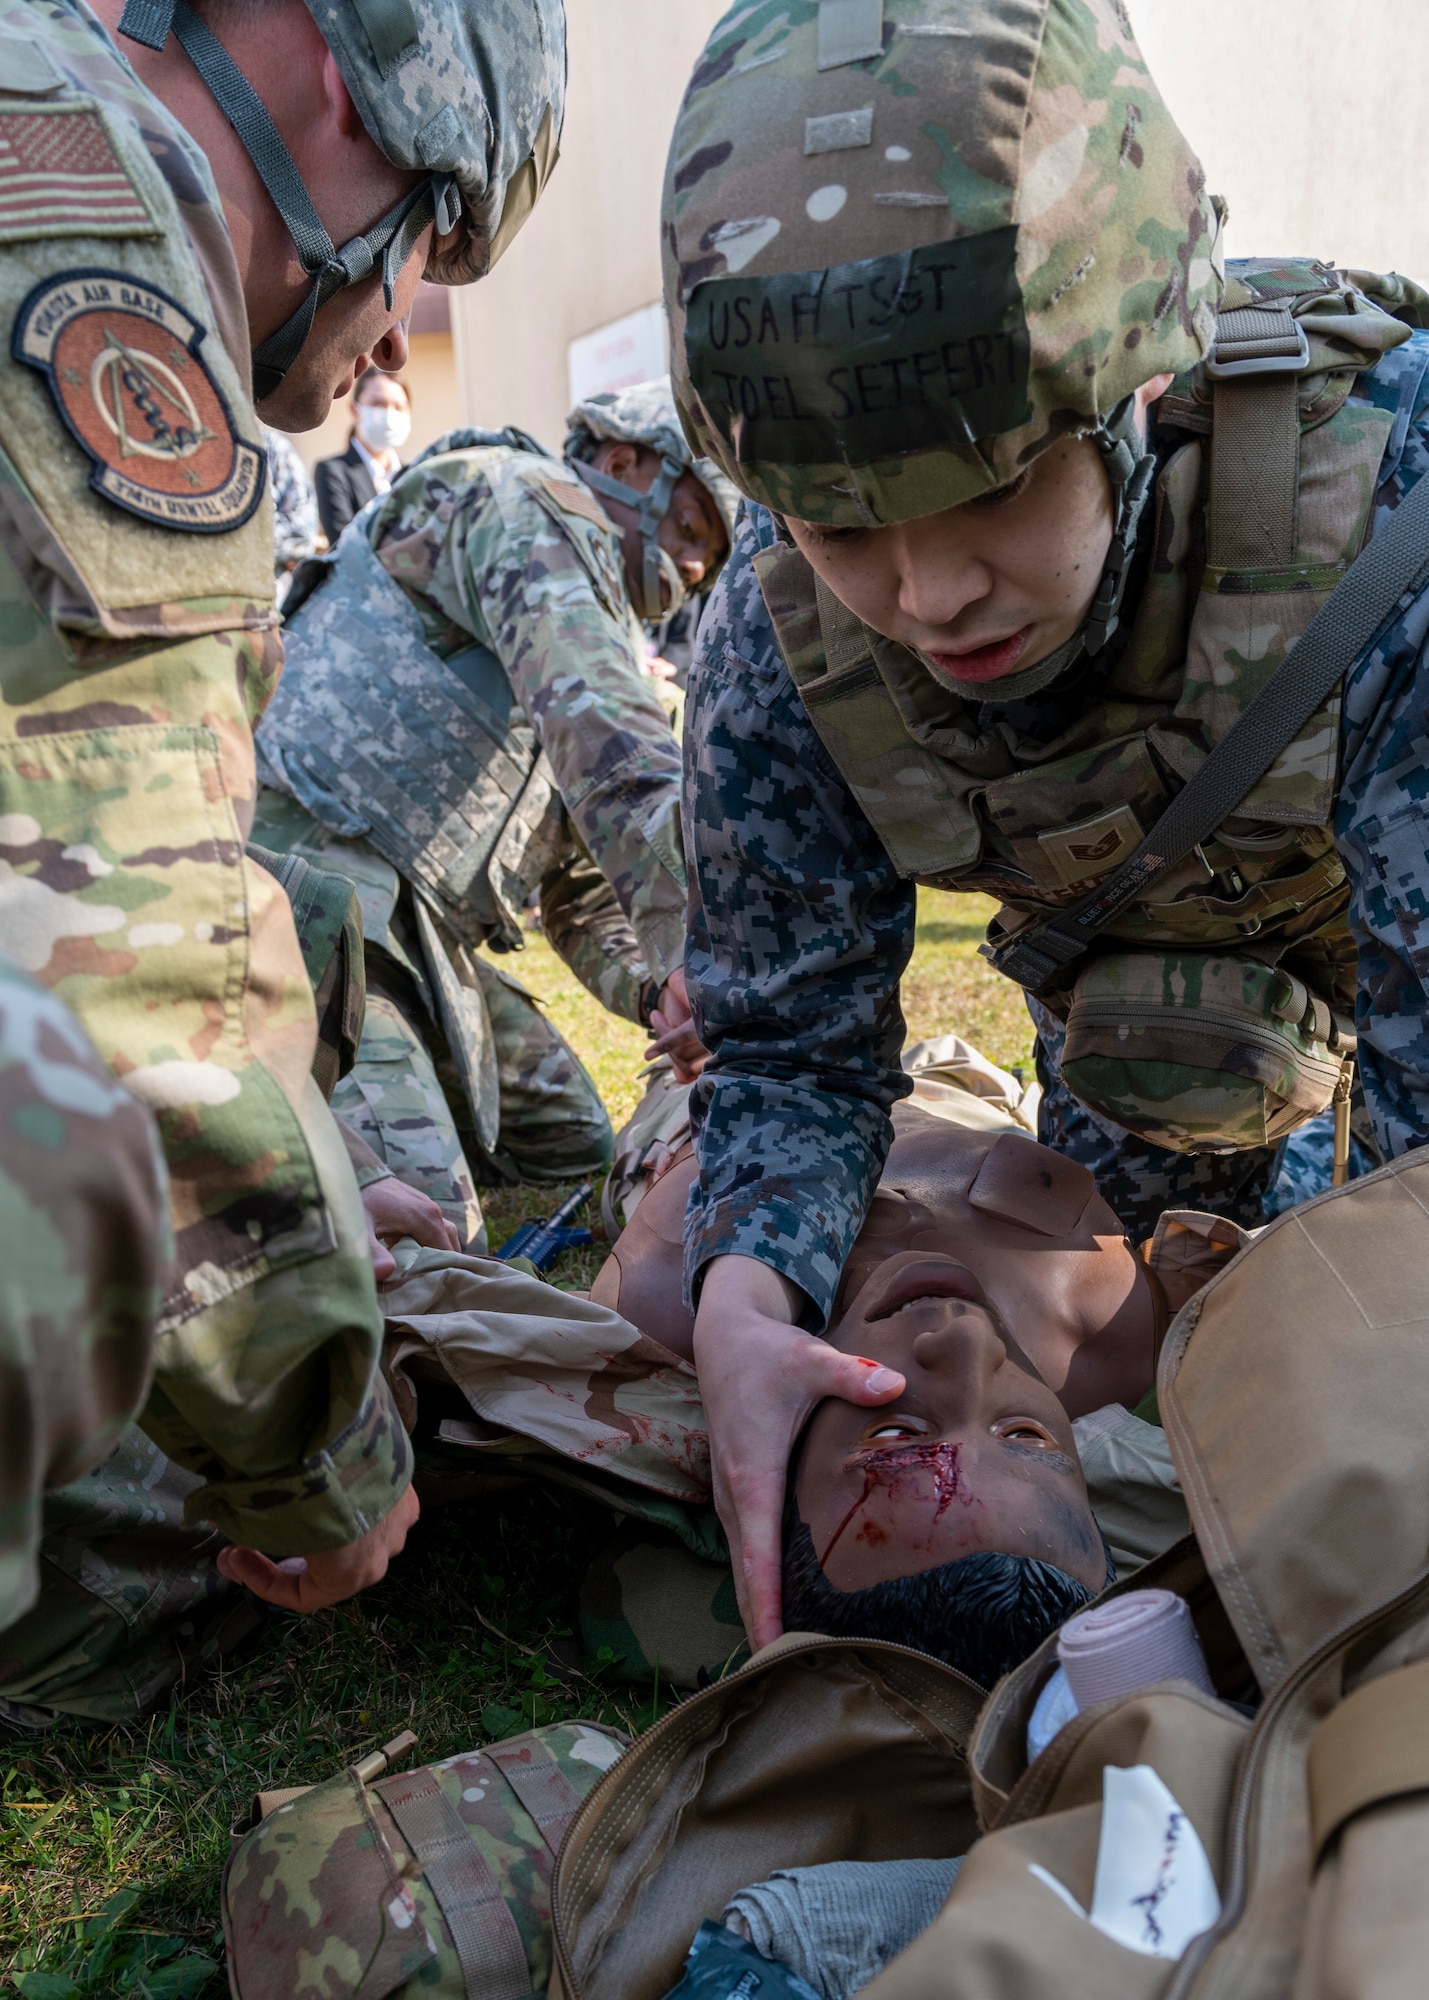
(919, 1284)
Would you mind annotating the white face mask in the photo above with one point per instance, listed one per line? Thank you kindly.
(382, 428)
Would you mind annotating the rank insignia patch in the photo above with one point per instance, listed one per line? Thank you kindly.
(124, 369)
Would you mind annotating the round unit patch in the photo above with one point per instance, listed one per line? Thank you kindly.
(123, 365)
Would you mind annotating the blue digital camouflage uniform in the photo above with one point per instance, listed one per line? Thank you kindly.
(459, 1070)
(795, 961)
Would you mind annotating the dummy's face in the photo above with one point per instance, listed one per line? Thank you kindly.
(977, 1454)
(1029, 1224)
(990, 587)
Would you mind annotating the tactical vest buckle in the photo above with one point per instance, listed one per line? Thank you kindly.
(1257, 340)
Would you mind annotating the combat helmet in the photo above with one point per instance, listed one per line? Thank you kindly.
(904, 256)
(646, 415)
(469, 95)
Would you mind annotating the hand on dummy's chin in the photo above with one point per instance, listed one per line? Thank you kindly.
(760, 1379)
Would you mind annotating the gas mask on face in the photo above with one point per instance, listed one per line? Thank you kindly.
(381, 427)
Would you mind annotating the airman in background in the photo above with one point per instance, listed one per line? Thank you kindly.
(136, 577)
(465, 722)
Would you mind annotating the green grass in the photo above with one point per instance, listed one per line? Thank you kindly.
(112, 1839)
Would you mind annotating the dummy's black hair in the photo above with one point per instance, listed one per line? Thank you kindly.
(982, 1615)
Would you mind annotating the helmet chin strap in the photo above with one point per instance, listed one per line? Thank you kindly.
(1132, 471)
(650, 508)
(390, 241)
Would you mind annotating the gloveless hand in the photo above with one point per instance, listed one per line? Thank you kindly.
(394, 1210)
(672, 1023)
(760, 1378)
(311, 1583)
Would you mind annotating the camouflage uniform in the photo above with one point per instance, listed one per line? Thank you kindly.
(137, 662)
(513, 568)
(136, 583)
(805, 858)
(83, 1243)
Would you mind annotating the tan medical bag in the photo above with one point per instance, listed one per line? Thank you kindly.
(817, 1750)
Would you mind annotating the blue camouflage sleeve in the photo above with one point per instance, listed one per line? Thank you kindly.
(1382, 818)
(793, 961)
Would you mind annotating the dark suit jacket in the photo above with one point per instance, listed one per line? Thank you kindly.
(344, 487)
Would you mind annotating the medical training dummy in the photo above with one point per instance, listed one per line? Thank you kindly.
(984, 1506)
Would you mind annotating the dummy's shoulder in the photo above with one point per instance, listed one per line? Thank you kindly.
(126, 432)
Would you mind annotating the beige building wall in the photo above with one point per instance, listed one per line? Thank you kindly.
(1309, 118)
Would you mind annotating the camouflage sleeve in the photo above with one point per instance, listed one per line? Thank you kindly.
(273, 1396)
(83, 1246)
(584, 922)
(127, 791)
(1382, 820)
(140, 648)
(793, 965)
(570, 651)
(363, 1161)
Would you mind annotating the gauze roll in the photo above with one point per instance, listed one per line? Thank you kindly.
(1129, 1643)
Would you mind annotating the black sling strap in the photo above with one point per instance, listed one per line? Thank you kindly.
(1394, 565)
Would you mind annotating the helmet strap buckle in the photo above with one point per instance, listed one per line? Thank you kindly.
(650, 507)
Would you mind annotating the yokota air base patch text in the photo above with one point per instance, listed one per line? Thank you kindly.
(124, 369)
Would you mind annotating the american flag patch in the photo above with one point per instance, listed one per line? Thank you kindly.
(60, 176)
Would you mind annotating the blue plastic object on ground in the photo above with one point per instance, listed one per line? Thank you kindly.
(542, 1241)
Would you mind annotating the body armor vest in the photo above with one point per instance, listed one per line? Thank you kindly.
(1258, 514)
(430, 758)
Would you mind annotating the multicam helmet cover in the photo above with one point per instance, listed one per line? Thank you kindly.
(467, 94)
(464, 88)
(646, 415)
(904, 255)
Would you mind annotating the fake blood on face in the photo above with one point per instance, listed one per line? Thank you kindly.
(893, 1469)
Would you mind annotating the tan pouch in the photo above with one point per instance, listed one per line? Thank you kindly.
(1003, 1931)
(818, 1750)
(1368, 1930)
